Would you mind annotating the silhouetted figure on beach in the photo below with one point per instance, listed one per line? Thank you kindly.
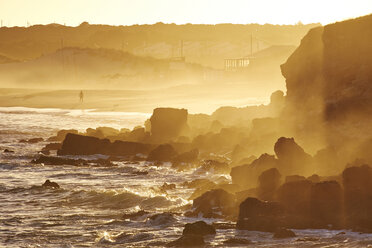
(81, 96)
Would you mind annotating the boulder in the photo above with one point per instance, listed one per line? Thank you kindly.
(292, 159)
(49, 184)
(168, 123)
(162, 153)
(215, 202)
(326, 204)
(165, 187)
(268, 183)
(256, 215)
(357, 182)
(187, 157)
(32, 141)
(134, 215)
(188, 240)
(102, 132)
(8, 151)
(61, 134)
(247, 175)
(84, 145)
(52, 147)
(295, 197)
(283, 233)
(199, 228)
(162, 219)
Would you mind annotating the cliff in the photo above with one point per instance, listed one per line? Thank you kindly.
(329, 82)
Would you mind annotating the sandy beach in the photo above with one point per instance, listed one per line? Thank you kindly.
(134, 100)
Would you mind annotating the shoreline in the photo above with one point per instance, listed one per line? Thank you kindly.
(128, 101)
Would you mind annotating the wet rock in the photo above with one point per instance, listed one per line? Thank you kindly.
(326, 204)
(168, 123)
(237, 241)
(187, 157)
(8, 151)
(162, 153)
(199, 228)
(32, 141)
(357, 182)
(188, 240)
(215, 166)
(45, 152)
(292, 159)
(84, 145)
(166, 186)
(140, 173)
(295, 197)
(247, 175)
(135, 215)
(283, 233)
(162, 219)
(49, 184)
(102, 132)
(61, 134)
(256, 215)
(52, 147)
(268, 183)
(214, 203)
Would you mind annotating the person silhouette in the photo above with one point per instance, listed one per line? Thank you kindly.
(81, 96)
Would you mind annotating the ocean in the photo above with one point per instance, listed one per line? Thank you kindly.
(88, 210)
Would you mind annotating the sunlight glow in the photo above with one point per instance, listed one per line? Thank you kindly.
(125, 12)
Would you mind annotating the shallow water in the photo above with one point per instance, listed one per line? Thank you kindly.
(88, 209)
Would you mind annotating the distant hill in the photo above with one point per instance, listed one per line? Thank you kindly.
(207, 45)
(98, 68)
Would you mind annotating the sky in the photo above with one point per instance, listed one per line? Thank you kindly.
(129, 12)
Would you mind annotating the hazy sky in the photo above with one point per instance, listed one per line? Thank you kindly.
(127, 12)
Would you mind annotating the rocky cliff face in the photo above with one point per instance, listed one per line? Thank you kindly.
(329, 81)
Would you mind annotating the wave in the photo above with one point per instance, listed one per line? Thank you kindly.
(112, 199)
(69, 112)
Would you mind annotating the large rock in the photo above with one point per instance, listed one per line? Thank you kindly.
(268, 183)
(168, 123)
(188, 240)
(61, 134)
(162, 153)
(357, 182)
(326, 204)
(187, 157)
(295, 197)
(292, 158)
(199, 228)
(84, 145)
(50, 184)
(247, 175)
(256, 215)
(215, 202)
(328, 81)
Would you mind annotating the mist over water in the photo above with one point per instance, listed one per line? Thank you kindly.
(88, 209)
